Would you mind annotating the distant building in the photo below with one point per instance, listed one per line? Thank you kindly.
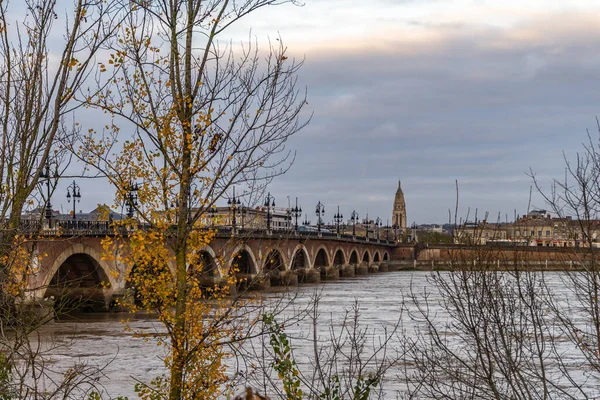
(537, 228)
(435, 228)
(248, 218)
(480, 233)
(98, 214)
(399, 212)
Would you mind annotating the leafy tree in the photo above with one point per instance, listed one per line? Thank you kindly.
(40, 70)
(204, 116)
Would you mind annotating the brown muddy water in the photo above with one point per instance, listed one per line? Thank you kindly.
(101, 340)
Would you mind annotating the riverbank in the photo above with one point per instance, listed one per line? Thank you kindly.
(494, 265)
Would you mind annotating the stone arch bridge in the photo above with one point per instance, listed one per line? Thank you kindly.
(73, 264)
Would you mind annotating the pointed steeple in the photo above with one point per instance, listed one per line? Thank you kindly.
(399, 210)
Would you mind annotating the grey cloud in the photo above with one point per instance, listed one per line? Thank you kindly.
(482, 108)
(481, 105)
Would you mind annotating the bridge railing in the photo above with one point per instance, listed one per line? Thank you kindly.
(106, 228)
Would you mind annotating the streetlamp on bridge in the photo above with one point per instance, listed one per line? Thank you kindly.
(191, 192)
(46, 175)
(338, 218)
(367, 223)
(306, 221)
(233, 204)
(243, 211)
(212, 213)
(131, 198)
(414, 231)
(320, 212)
(296, 212)
(354, 219)
(387, 230)
(269, 202)
(377, 226)
(74, 192)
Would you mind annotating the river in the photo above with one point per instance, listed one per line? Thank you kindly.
(101, 339)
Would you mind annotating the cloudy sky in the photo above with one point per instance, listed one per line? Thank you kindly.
(427, 92)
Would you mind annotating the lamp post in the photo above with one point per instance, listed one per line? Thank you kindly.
(74, 191)
(296, 212)
(131, 198)
(387, 230)
(354, 219)
(338, 218)
(233, 203)
(377, 226)
(191, 193)
(269, 202)
(46, 175)
(175, 206)
(243, 212)
(320, 212)
(306, 221)
(212, 212)
(367, 223)
(414, 231)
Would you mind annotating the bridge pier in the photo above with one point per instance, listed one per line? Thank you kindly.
(347, 271)
(383, 267)
(307, 275)
(208, 281)
(362, 269)
(119, 298)
(329, 273)
(373, 268)
(41, 309)
(284, 278)
(251, 282)
(67, 300)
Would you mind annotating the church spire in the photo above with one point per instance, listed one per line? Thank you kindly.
(399, 210)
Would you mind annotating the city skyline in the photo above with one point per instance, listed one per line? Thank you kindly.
(428, 92)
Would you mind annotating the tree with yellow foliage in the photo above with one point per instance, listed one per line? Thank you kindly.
(191, 116)
(47, 51)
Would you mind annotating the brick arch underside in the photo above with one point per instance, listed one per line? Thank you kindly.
(377, 257)
(78, 281)
(79, 270)
(274, 262)
(243, 260)
(339, 258)
(353, 257)
(207, 264)
(321, 258)
(366, 256)
(78, 260)
(300, 259)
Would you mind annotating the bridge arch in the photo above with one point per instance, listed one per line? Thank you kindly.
(300, 258)
(244, 260)
(339, 257)
(353, 257)
(386, 257)
(321, 258)
(274, 262)
(208, 259)
(366, 257)
(376, 257)
(89, 254)
(79, 279)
